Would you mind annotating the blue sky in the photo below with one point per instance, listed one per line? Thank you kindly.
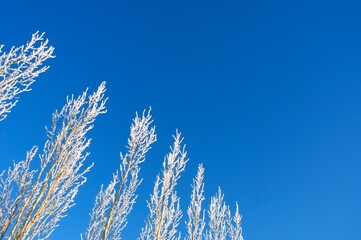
(266, 93)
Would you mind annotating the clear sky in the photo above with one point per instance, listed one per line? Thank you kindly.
(266, 93)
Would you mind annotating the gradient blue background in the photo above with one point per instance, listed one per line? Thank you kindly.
(266, 93)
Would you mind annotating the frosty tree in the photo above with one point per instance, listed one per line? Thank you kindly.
(33, 201)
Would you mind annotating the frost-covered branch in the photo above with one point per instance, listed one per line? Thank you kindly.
(13, 191)
(35, 200)
(165, 212)
(217, 212)
(112, 205)
(195, 223)
(234, 225)
(19, 68)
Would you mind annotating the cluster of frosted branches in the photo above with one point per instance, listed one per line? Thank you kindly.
(165, 212)
(19, 68)
(221, 223)
(33, 201)
(112, 205)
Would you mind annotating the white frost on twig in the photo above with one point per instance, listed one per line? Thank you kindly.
(19, 68)
(165, 213)
(112, 205)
